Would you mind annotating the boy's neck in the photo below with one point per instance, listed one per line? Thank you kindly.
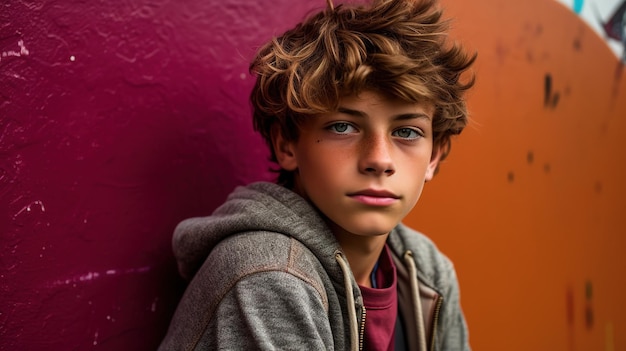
(362, 253)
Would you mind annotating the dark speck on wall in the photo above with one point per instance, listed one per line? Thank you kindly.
(530, 157)
(598, 187)
(577, 44)
(589, 305)
(551, 97)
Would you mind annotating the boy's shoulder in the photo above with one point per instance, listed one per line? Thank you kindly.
(260, 259)
(260, 251)
(245, 254)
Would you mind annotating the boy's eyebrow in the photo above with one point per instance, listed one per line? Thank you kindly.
(400, 117)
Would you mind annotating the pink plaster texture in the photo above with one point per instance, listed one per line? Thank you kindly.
(118, 119)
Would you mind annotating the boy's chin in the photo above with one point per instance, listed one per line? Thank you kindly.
(366, 225)
(365, 230)
(372, 231)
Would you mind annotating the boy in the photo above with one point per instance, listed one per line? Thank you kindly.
(357, 105)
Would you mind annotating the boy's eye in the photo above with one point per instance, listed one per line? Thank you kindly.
(341, 128)
(406, 133)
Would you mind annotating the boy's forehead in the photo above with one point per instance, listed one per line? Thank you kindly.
(376, 98)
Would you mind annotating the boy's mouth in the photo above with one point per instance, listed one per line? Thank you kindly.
(374, 197)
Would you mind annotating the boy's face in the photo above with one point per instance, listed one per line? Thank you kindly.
(365, 165)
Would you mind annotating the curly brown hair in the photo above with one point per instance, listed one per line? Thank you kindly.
(396, 47)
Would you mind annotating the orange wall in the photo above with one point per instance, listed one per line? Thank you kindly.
(530, 203)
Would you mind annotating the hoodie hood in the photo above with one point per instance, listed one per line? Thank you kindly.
(259, 206)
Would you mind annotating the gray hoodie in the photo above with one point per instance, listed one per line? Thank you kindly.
(267, 274)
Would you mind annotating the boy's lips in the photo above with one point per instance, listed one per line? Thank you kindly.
(374, 197)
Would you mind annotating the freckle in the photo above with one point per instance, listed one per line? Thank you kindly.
(318, 141)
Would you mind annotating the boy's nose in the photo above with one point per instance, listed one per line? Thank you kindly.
(376, 156)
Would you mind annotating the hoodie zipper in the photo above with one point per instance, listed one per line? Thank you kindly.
(362, 329)
(435, 321)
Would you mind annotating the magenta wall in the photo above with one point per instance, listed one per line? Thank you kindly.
(117, 120)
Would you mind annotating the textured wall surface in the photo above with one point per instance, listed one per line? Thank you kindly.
(530, 204)
(117, 120)
(120, 118)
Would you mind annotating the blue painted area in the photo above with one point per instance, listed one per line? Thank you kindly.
(578, 6)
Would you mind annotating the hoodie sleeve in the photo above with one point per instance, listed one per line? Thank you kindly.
(270, 311)
(255, 291)
(453, 328)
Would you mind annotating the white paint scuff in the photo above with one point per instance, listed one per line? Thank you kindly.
(91, 276)
(23, 51)
(29, 208)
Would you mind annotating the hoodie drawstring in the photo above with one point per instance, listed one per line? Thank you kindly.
(354, 329)
(408, 258)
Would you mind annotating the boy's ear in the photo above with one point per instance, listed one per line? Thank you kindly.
(284, 151)
(434, 163)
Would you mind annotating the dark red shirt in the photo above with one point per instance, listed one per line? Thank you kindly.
(381, 304)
